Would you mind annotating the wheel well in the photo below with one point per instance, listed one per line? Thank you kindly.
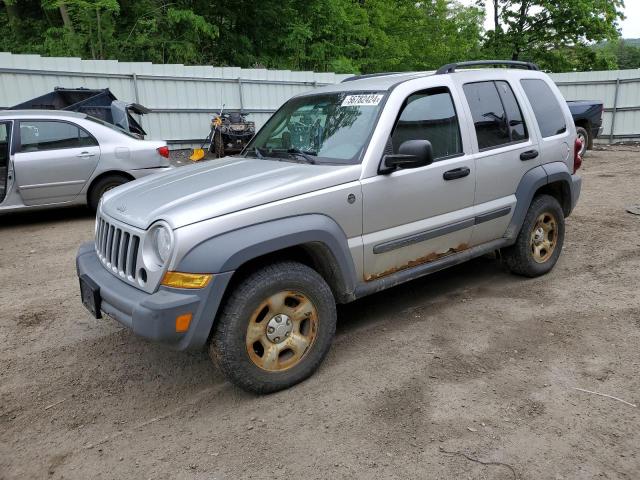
(315, 255)
(584, 123)
(560, 191)
(110, 173)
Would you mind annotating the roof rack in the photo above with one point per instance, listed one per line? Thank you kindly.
(451, 67)
(370, 75)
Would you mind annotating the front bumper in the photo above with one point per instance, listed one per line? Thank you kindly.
(153, 316)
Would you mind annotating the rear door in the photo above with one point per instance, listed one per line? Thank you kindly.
(53, 160)
(5, 156)
(506, 150)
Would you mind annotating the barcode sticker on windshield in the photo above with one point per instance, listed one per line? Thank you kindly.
(361, 100)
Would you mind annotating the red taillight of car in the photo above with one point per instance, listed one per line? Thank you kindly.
(577, 159)
(164, 151)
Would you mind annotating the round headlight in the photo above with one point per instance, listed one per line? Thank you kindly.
(162, 242)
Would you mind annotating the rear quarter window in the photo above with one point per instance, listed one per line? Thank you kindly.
(549, 114)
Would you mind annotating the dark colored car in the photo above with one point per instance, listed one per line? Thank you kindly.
(587, 115)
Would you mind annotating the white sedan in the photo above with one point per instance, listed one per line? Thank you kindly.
(58, 158)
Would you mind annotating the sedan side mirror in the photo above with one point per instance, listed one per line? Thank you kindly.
(411, 154)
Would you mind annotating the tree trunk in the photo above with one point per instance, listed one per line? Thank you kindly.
(13, 14)
(517, 47)
(66, 19)
(100, 50)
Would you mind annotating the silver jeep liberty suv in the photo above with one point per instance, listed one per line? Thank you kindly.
(345, 191)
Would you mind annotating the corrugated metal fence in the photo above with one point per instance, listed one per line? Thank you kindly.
(620, 92)
(183, 98)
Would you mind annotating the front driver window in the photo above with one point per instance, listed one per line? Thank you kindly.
(429, 115)
(38, 136)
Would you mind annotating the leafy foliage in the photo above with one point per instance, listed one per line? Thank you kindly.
(625, 53)
(322, 35)
(555, 34)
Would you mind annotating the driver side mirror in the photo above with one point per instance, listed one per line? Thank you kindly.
(411, 154)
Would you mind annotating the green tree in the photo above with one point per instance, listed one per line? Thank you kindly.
(545, 30)
(626, 53)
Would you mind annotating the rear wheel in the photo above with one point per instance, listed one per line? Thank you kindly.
(583, 135)
(540, 240)
(102, 186)
(275, 329)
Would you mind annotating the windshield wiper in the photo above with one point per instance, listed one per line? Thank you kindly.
(308, 156)
(258, 153)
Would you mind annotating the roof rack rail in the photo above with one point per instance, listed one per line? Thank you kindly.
(369, 75)
(451, 67)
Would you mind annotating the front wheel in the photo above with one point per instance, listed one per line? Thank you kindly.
(540, 240)
(217, 146)
(275, 328)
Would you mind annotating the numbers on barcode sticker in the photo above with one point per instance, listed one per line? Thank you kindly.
(370, 99)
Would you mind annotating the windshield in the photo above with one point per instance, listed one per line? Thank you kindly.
(324, 128)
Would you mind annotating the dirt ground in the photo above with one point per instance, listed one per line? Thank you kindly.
(472, 360)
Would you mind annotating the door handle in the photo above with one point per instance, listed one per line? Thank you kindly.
(456, 173)
(85, 155)
(528, 155)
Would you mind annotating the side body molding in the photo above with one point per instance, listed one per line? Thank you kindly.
(319, 234)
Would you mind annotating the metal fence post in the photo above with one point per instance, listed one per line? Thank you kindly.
(240, 94)
(135, 93)
(615, 108)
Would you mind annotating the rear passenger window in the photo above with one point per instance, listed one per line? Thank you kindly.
(517, 127)
(546, 108)
(37, 136)
(429, 115)
(496, 114)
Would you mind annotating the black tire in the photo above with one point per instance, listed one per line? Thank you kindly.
(104, 185)
(520, 257)
(229, 345)
(583, 135)
(217, 146)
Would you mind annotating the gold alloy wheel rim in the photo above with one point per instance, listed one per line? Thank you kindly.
(281, 331)
(544, 237)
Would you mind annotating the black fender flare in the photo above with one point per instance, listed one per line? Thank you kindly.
(230, 250)
(530, 183)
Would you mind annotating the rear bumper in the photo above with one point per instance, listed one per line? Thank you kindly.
(576, 187)
(152, 316)
(596, 132)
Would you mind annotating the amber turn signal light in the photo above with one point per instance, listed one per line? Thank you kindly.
(183, 322)
(186, 280)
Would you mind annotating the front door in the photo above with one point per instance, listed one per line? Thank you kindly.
(53, 161)
(415, 216)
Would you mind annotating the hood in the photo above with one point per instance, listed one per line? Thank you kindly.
(206, 190)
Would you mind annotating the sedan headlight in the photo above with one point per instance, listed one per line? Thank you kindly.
(159, 244)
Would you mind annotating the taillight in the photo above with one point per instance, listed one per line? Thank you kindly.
(577, 159)
(164, 151)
